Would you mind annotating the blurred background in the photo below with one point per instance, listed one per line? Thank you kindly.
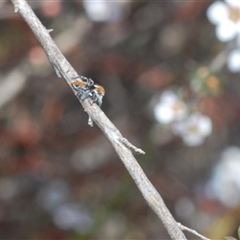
(171, 71)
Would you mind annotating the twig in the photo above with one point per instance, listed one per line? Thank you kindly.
(192, 231)
(120, 144)
(221, 58)
(12, 85)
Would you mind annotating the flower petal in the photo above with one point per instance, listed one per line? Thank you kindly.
(169, 97)
(192, 140)
(233, 3)
(217, 12)
(169, 108)
(102, 10)
(226, 31)
(238, 39)
(163, 113)
(234, 61)
(194, 129)
(205, 126)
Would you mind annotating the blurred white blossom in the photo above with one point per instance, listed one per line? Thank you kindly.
(53, 194)
(102, 10)
(194, 129)
(226, 17)
(169, 108)
(224, 184)
(234, 61)
(71, 216)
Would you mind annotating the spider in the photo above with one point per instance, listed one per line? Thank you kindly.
(87, 89)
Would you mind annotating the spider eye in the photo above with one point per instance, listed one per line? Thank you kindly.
(75, 86)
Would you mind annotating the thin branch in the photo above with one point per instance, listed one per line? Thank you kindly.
(120, 144)
(192, 231)
(12, 84)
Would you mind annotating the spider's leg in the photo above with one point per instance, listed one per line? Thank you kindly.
(96, 98)
(90, 82)
(99, 101)
(84, 94)
(79, 93)
(85, 79)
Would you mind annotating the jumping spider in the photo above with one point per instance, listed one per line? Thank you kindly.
(87, 89)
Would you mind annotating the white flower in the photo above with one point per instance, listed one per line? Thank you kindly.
(226, 15)
(102, 10)
(169, 108)
(224, 184)
(194, 129)
(234, 61)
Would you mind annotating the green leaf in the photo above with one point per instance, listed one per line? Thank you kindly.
(229, 238)
(239, 231)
